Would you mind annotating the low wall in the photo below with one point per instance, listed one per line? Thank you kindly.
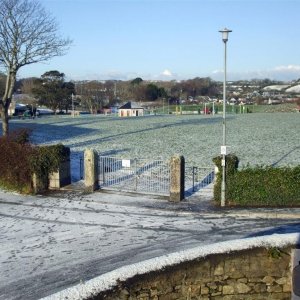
(254, 268)
(250, 274)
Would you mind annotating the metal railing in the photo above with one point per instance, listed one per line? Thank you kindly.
(134, 175)
(197, 178)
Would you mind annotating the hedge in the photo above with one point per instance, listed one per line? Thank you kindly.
(265, 186)
(15, 168)
(232, 163)
(259, 186)
(20, 160)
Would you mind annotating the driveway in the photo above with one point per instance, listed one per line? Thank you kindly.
(52, 242)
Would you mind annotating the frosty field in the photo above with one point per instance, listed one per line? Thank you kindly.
(262, 138)
(70, 237)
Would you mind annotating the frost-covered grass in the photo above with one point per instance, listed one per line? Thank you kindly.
(261, 139)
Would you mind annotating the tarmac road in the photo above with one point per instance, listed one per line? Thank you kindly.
(49, 243)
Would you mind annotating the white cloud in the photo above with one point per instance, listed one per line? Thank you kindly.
(289, 68)
(217, 72)
(167, 73)
(283, 73)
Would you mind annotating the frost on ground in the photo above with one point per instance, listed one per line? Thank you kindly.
(60, 241)
(70, 238)
(111, 279)
(257, 139)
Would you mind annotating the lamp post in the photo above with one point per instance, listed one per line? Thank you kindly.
(73, 113)
(225, 33)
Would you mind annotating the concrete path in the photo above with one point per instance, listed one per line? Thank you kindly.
(51, 242)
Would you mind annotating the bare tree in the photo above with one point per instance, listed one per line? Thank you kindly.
(28, 35)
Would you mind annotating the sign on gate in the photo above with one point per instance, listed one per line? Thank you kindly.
(126, 163)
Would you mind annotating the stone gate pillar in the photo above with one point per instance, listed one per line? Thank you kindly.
(90, 170)
(62, 176)
(177, 178)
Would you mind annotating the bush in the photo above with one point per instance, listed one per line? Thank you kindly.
(232, 163)
(20, 160)
(47, 159)
(265, 186)
(258, 186)
(15, 169)
(20, 136)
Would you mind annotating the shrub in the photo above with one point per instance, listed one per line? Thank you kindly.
(20, 160)
(265, 186)
(47, 159)
(15, 169)
(232, 163)
(258, 186)
(20, 136)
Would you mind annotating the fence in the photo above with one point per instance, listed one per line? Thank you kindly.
(134, 175)
(197, 178)
(158, 177)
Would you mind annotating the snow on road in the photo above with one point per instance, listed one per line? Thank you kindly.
(49, 243)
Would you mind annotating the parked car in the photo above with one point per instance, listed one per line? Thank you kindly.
(27, 114)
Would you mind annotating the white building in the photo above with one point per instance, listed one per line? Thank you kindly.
(131, 109)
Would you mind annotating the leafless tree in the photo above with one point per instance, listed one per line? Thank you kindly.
(28, 35)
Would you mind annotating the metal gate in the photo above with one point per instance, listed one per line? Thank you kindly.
(197, 178)
(134, 175)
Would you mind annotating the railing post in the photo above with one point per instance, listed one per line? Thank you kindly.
(177, 178)
(90, 170)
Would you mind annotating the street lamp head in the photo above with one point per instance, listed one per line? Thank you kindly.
(225, 33)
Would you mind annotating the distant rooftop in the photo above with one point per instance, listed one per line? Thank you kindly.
(131, 105)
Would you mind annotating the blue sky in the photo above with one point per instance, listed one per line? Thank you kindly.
(175, 39)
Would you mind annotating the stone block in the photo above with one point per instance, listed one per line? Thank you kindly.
(195, 290)
(228, 290)
(170, 296)
(243, 280)
(268, 280)
(203, 272)
(260, 287)
(219, 269)
(274, 288)
(204, 290)
(236, 268)
(242, 288)
(216, 294)
(282, 280)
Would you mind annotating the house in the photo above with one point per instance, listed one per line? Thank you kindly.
(131, 109)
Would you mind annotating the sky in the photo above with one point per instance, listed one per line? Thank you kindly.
(175, 39)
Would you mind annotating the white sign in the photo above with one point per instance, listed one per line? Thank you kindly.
(224, 150)
(126, 163)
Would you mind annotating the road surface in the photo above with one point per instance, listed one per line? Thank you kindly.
(52, 242)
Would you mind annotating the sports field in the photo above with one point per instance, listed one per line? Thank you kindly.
(257, 139)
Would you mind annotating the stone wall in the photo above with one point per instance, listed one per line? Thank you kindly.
(62, 177)
(250, 274)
